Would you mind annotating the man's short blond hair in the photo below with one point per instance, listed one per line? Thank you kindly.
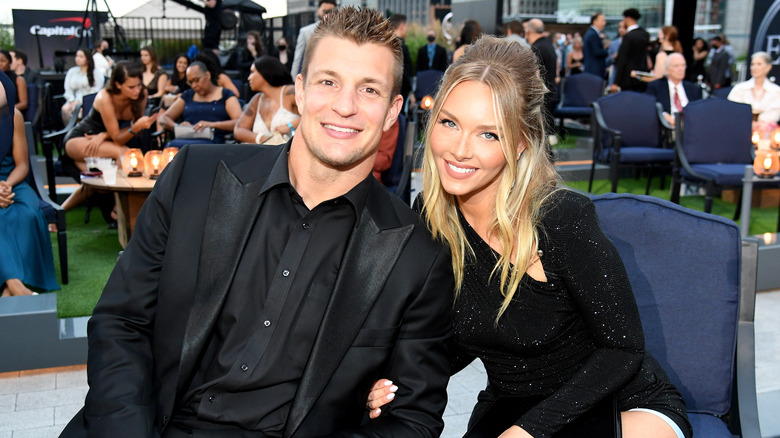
(360, 26)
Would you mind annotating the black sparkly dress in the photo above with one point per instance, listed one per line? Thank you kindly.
(567, 343)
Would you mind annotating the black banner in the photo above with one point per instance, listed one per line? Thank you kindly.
(765, 32)
(50, 31)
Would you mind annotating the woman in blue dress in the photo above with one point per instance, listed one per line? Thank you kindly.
(205, 106)
(25, 249)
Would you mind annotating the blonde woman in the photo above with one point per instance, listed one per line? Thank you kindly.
(542, 297)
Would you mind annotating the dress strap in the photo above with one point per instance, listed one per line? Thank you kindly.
(281, 97)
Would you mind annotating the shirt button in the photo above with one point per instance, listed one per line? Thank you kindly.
(244, 367)
(267, 323)
(211, 399)
(305, 225)
(285, 273)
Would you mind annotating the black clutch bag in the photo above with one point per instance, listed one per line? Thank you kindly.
(601, 421)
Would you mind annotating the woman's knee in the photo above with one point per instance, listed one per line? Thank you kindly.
(639, 424)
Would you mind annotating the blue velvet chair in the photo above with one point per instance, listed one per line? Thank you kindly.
(578, 92)
(427, 83)
(628, 133)
(694, 281)
(713, 147)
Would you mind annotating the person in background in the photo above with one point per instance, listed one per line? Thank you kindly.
(575, 59)
(720, 64)
(214, 67)
(468, 35)
(542, 297)
(99, 134)
(700, 52)
(243, 58)
(212, 12)
(548, 69)
(177, 82)
(18, 81)
(155, 79)
(759, 92)
(19, 66)
(82, 79)
(398, 23)
(673, 91)
(272, 115)
(25, 249)
(593, 46)
(669, 43)
(103, 63)
(515, 32)
(284, 53)
(431, 56)
(614, 47)
(205, 106)
(632, 55)
(323, 7)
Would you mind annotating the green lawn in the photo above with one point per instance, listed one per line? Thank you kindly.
(93, 248)
(92, 253)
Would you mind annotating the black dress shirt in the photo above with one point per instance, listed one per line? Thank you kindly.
(250, 370)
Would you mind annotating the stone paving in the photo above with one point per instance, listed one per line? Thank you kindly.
(39, 403)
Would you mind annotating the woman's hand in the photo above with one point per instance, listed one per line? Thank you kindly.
(93, 145)
(6, 194)
(144, 122)
(200, 126)
(382, 393)
(515, 432)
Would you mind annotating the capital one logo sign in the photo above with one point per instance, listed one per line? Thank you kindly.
(763, 34)
(70, 27)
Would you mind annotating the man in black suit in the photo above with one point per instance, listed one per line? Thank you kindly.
(593, 46)
(632, 55)
(265, 289)
(398, 23)
(719, 65)
(548, 64)
(431, 56)
(672, 91)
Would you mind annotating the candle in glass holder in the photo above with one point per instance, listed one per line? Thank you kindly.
(133, 162)
(154, 163)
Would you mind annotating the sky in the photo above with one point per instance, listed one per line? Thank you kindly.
(275, 8)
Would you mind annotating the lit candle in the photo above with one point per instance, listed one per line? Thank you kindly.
(134, 162)
(755, 137)
(768, 163)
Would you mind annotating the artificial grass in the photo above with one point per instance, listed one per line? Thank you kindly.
(92, 253)
(93, 248)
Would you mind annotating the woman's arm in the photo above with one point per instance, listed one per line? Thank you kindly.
(597, 283)
(569, 61)
(699, 55)
(21, 93)
(172, 114)
(105, 105)
(70, 89)
(243, 129)
(20, 152)
(225, 82)
(162, 80)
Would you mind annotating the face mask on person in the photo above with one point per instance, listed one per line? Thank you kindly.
(431, 38)
(281, 47)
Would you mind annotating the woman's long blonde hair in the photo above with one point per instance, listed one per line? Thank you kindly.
(511, 72)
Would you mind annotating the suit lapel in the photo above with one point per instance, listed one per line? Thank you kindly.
(232, 210)
(370, 256)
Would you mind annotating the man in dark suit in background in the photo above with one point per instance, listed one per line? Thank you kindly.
(632, 55)
(719, 65)
(673, 92)
(399, 26)
(593, 46)
(431, 56)
(548, 63)
(265, 289)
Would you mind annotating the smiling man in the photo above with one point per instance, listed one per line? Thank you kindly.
(266, 288)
